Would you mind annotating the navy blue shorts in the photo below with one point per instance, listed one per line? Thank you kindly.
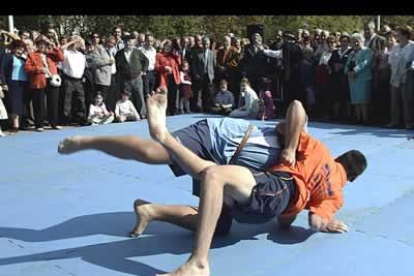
(269, 198)
(196, 138)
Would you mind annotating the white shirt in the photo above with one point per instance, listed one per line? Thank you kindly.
(97, 110)
(44, 59)
(125, 108)
(325, 57)
(127, 54)
(183, 81)
(74, 64)
(398, 59)
(250, 97)
(150, 54)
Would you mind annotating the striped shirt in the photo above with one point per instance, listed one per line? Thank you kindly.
(224, 97)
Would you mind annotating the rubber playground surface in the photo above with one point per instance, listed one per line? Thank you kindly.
(70, 215)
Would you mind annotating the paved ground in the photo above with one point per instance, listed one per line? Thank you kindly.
(69, 215)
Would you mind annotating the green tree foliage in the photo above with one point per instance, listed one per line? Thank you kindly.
(174, 25)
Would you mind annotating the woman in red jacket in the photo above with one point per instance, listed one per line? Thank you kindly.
(41, 66)
(167, 65)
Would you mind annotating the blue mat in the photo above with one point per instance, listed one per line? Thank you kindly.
(69, 215)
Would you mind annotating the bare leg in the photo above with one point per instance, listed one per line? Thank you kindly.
(15, 121)
(237, 182)
(183, 216)
(192, 164)
(217, 182)
(124, 147)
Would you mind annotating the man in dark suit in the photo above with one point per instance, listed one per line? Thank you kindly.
(254, 63)
(185, 51)
(195, 74)
(131, 64)
(292, 57)
(202, 69)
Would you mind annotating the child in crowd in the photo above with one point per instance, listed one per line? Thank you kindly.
(125, 109)
(224, 101)
(98, 114)
(185, 88)
(3, 112)
(251, 106)
(267, 107)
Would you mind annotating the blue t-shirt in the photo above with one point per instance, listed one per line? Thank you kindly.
(261, 151)
(18, 72)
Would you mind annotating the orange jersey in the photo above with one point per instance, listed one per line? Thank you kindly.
(319, 179)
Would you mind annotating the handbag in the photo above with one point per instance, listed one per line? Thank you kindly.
(55, 79)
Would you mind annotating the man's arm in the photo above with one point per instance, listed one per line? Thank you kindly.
(226, 106)
(75, 40)
(318, 223)
(295, 121)
(144, 62)
(134, 110)
(273, 53)
(286, 221)
(98, 59)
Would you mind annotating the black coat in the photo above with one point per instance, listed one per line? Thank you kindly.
(254, 65)
(138, 63)
(292, 57)
(187, 55)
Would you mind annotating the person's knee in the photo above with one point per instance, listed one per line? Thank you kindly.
(211, 175)
(137, 202)
(297, 105)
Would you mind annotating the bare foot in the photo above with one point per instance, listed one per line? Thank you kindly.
(190, 268)
(142, 210)
(70, 145)
(157, 107)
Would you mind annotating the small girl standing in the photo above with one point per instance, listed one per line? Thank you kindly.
(267, 108)
(185, 88)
